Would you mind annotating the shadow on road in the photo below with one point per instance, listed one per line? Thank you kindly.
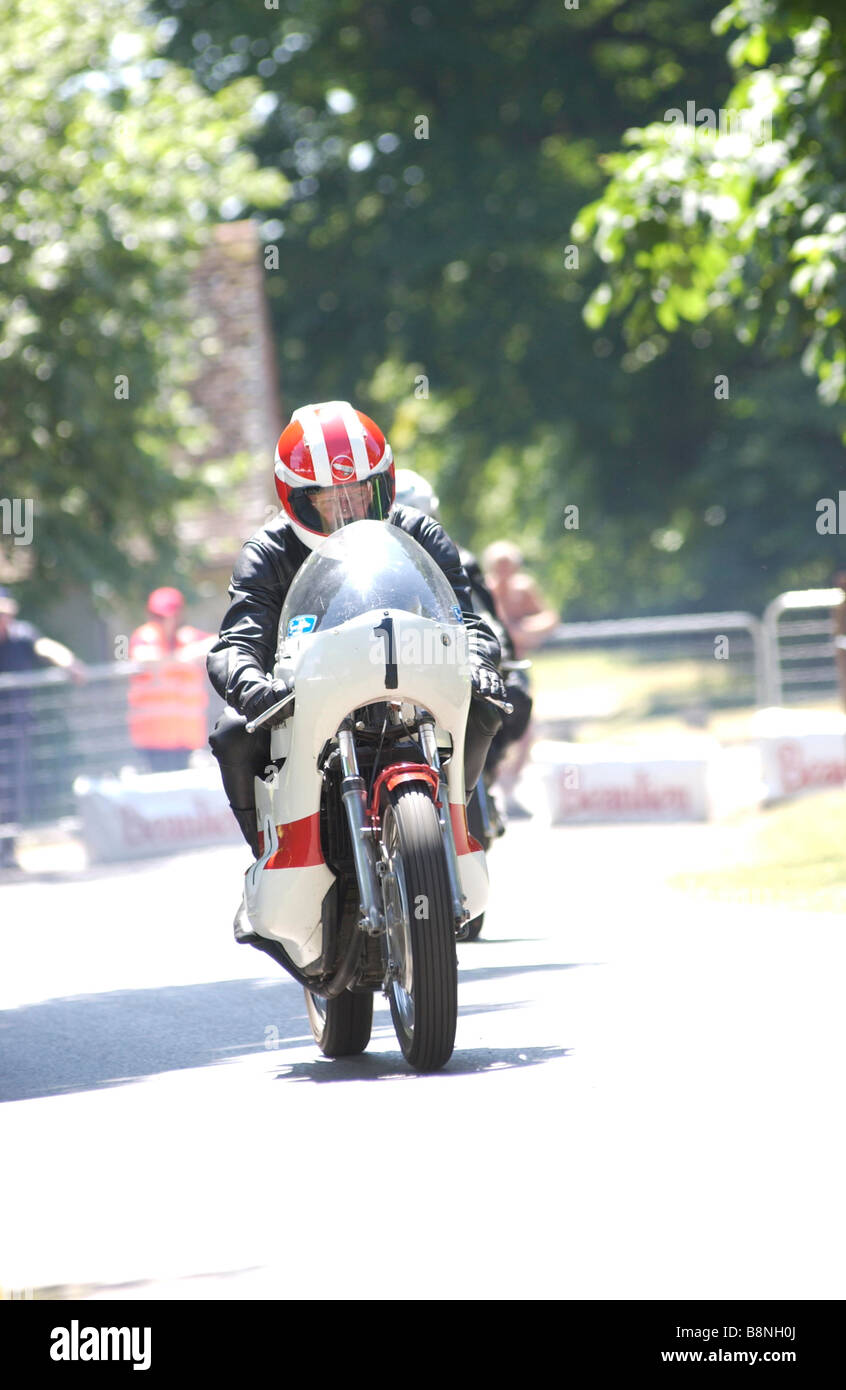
(497, 972)
(92, 1040)
(380, 1066)
(88, 1041)
(500, 941)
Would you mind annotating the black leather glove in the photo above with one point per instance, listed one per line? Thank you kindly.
(487, 682)
(261, 696)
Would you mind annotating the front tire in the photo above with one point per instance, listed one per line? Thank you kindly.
(341, 1026)
(420, 940)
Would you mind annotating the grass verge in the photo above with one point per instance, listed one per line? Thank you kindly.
(791, 856)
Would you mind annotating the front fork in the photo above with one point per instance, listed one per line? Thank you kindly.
(460, 914)
(353, 794)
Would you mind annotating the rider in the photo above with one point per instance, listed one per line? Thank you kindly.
(333, 466)
(413, 490)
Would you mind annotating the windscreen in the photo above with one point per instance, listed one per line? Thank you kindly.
(370, 564)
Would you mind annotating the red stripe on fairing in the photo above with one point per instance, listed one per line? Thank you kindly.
(464, 842)
(299, 844)
(335, 435)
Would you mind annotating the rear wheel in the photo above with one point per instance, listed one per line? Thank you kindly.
(474, 927)
(420, 936)
(341, 1026)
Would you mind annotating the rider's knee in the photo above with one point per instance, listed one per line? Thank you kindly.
(229, 740)
(483, 718)
(516, 723)
(483, 721)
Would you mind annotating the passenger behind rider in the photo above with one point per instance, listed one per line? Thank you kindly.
(333, 467)
(413, 490)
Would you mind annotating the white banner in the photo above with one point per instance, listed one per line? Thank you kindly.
(154, 813)
(587, 782)
(801, 750)
(794, 765)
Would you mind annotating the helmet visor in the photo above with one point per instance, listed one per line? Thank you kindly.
(325, 509)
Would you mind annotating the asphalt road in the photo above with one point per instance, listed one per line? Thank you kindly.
(645, 1100)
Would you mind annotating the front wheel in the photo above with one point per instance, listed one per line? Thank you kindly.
(341, 1026)
(420, 938)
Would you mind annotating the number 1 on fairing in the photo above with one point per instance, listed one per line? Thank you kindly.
(391, 675)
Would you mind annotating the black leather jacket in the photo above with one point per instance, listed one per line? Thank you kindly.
(483, 603)
(244, 653)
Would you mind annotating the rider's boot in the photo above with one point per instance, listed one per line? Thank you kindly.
(496, 812)
(246, 818)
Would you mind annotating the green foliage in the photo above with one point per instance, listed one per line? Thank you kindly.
(115, 165)
(745, 227)
(449, 258)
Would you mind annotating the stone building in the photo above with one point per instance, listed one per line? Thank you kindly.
(237, 393)
(238, 396)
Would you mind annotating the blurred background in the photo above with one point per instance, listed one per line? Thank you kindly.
(584, 263)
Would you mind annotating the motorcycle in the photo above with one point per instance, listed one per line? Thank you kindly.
(367, 873)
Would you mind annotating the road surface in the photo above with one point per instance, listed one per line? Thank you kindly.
(645, 1099)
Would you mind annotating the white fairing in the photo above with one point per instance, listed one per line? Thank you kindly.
(335, 670)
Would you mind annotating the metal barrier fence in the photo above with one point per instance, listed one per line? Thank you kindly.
(682, 664)
(53, 729)
(800, 651)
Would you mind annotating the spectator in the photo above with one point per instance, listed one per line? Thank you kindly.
(22, 648)
(167, 705)
(528, 621)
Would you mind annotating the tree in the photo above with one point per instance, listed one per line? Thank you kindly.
(742, 223)
(439, 154)
(114, 168)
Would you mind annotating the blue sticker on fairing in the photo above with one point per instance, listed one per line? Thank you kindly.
(456, 611)
(304, 622)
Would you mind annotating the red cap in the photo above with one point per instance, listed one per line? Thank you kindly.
(163, 602)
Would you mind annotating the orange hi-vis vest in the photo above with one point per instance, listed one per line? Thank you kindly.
(167, 704)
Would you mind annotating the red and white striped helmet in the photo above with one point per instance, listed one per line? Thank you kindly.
(333, 466)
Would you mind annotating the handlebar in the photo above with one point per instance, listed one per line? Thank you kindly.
(269, 713)
(504, 705)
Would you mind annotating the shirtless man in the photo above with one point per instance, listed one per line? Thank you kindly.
(528, 619)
